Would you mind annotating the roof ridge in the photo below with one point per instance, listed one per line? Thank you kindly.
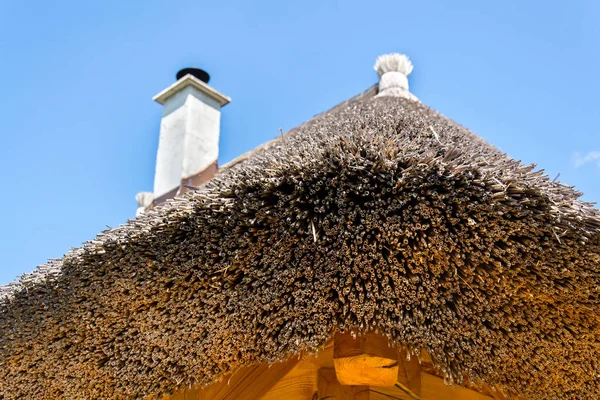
(370, 92)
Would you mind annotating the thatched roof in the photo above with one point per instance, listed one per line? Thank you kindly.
(380, 214)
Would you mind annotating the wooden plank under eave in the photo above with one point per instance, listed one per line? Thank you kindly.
(481, 387)
(434, 388)
(249, 383)
(231, 385)
(330, 389)
(365, 360)
(409, 371)
(299, 384)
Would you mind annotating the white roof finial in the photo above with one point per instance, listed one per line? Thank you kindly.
(393, 70)
(393, 62)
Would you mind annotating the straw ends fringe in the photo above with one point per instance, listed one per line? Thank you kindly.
(393, 62)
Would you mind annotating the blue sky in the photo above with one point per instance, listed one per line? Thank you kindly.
(79, 129)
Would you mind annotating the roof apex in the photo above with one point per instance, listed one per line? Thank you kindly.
(393, 70)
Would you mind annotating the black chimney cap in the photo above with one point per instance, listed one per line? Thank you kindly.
(196, 72)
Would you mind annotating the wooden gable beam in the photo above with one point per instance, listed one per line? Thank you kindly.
(302, 382)
(316, 378)
(249, 382)
(409, 372)
(433, 389)
(365, 360)
(299, 384)
(246, 383)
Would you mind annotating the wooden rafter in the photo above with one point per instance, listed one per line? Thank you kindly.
(247, 383)
(315, 378)
(364, 360)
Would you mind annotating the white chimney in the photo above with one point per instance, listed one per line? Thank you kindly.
(189, 131)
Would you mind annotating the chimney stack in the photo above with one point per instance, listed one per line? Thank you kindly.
(188, 147)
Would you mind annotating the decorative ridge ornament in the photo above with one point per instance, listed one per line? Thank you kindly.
(393, 70)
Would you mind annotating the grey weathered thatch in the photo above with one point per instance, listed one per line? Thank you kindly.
(378, 215)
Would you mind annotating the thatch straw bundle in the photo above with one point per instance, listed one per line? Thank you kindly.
(379, 215)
